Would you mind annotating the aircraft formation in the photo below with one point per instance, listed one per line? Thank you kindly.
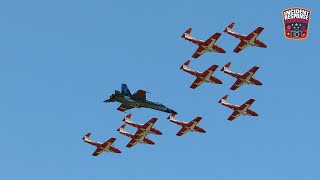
(139, 100)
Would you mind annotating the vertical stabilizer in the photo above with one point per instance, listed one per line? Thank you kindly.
(185, 65)
(187, 33)
(125, 90)
(223, 99)
(229, 28)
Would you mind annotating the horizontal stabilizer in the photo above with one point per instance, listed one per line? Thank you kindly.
(127, 118)
(223, 99)
(172, 117)
(229, 28)
(87, 136)
(186, 32)
(227, 66)
(185, 65)
(121, 128)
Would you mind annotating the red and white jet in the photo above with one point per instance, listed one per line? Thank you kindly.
(238, 110)
(246, 78)
(202, 77)
(147, 127)
(139, 137)
(101, 147)
(246, 40)
(204, 46)
(187, 126)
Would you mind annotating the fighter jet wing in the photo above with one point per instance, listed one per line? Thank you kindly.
(234, 115)
(140, 95)
(182, 131)
(196, 83)
(108, 143)
(195, 121)
(240, 46)
(254, 34)
(250, 73)
(198, 52)
(97, 152)
(210, 42)
(246, 105)
(138, 135)
(210, 71)
(148, 125)
(236, 85)
(131, 143)
(124, 107)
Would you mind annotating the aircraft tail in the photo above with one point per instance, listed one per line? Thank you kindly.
(185, 65)
(187, 33)
(86, 137)
(229, 28)
(172, 117)
(121, 128)
(125, 90)
(127, 118)
(223, 99)
(226, 67)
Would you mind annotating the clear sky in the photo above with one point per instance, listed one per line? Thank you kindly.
(60, 60)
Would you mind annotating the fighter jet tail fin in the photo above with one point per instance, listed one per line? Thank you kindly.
(172, 117)
(223, 99)
(121, 128)
(229, 28)
(127, 118)
(185, 65)
(125, 90)
(226, 67)
(187, 33)
(86, 137)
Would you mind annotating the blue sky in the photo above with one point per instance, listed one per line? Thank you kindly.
(61, 59)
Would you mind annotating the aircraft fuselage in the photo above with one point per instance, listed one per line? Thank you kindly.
(138, 104)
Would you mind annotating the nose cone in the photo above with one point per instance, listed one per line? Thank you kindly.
(254, 114)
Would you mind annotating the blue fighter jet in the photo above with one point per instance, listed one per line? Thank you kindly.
(136, 100)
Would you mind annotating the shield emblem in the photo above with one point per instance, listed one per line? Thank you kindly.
(296, 23)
